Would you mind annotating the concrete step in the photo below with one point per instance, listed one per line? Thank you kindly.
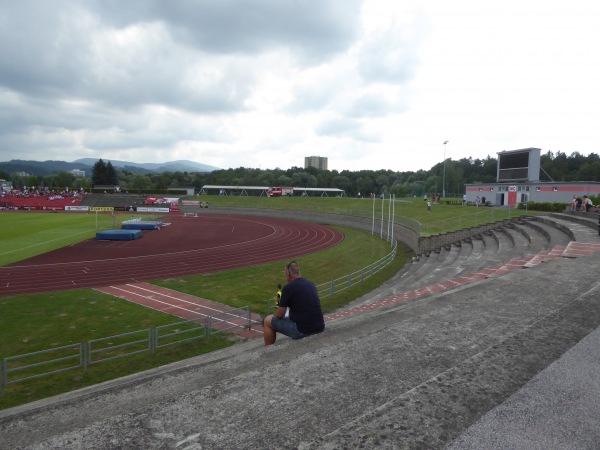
(581, 229)
(538, 240)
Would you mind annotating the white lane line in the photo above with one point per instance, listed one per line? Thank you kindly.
(176, 306)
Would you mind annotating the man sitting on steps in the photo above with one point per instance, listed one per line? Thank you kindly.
(301, 297)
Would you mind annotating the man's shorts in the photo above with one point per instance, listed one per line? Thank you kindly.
(287, 327)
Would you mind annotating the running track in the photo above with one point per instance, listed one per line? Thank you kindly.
(187, 307)
(185, 246)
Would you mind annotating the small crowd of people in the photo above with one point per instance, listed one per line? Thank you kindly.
(41, 192)
(581, 204)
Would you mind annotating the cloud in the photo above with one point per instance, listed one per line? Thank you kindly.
(262, 84)
(315, 32)
(345, 128)
(390, 55)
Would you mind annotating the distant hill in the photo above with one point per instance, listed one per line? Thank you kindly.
(170, 166)
(43, 168)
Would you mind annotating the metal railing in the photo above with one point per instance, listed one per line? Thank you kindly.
(347, 281)
(342, 283)
(28, 366)
(227, 320)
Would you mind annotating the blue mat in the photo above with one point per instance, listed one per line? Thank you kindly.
(139, 225)
(118, 235)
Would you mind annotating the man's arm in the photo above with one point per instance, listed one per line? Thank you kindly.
(280, 312)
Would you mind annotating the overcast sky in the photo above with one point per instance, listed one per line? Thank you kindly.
(370, 84)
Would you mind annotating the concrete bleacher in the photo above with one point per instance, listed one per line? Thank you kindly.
(39, 202)
(118, 200)
(507, 361)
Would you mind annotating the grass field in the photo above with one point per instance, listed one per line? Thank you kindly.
(34, 322)
(27, 234)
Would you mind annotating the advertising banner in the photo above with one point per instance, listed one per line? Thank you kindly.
(102, 208)
(77, 208)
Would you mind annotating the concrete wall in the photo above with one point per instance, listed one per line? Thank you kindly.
(431, 243)
(409, 237)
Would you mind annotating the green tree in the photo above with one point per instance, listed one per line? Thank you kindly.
(111, 175)
(342, 182)
(140, 182)
(63, 180)
(99, 173)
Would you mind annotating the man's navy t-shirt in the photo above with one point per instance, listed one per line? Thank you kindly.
(303, 300)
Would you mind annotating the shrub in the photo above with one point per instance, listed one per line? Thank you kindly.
(543, 206)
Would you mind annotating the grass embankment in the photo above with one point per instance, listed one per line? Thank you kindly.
(440, 219)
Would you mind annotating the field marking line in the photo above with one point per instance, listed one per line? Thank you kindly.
(176, 306)
(182, 300)
(170, 297)
(157, 301)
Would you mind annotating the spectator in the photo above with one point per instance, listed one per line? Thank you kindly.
(301, 297)
(587, 203)
(573, 204)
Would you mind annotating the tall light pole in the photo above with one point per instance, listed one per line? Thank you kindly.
(444, 173)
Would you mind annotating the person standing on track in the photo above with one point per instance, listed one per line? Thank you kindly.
(301, 297)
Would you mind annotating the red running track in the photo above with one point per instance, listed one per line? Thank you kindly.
(185, 246)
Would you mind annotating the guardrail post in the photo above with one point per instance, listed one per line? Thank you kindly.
(332, 290)
(86, 350)
(208, 328)
(82, 355)
(153, 340)
(249, 317)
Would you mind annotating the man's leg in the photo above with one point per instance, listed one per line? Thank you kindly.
(269, 334)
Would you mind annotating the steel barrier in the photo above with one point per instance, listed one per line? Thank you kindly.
(344, 282)
(118, 346)
(168, 338)
(227, 320)
(59, 355)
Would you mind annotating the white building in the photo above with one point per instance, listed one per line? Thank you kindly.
(5, 186)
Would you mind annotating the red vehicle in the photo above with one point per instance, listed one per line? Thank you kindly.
(279, 191)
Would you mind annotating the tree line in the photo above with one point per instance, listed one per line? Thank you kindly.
(555, 167)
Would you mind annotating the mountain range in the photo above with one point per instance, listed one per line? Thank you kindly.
(43, 168)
